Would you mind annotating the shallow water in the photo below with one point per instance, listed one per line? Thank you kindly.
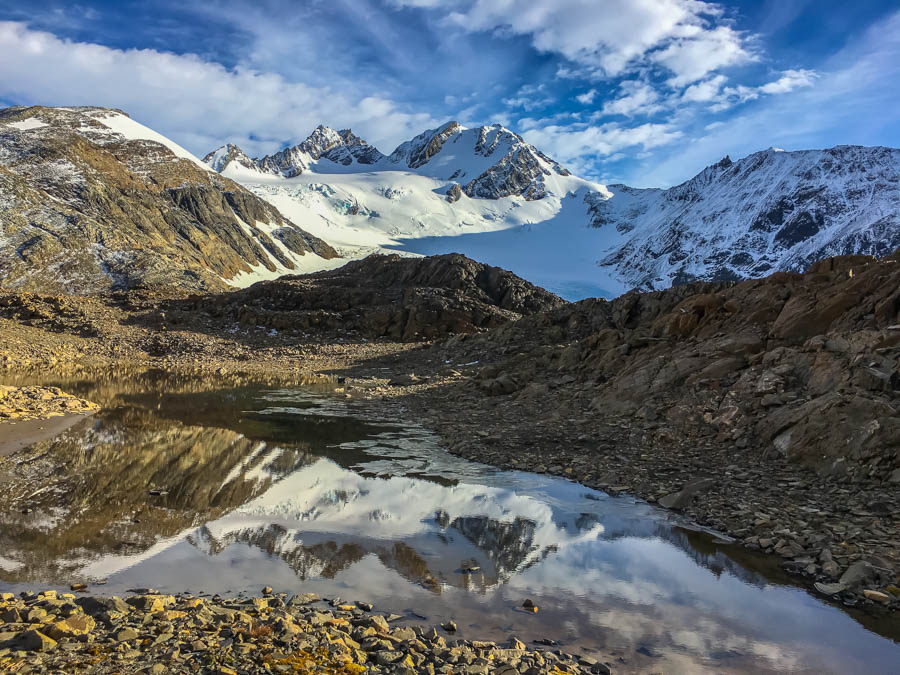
(181, 485)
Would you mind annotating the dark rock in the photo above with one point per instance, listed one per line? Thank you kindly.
(386, 296)
(683, 498)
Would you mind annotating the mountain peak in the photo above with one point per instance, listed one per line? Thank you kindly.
(218, 160)
(417, 152)
(341, 147)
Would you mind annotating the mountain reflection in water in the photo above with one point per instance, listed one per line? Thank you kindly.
(227, 489)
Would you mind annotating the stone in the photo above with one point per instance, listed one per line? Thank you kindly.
(830, 568)
(877, 596)
(77, 624)
(35, 641)
(379, 623)
(683, 498)
(387, 658)
(830, 589)
(405, 380)
(403, 634)
(857, 574)
(304, 599)
(147, 603)
(126, 634)
(449, 626)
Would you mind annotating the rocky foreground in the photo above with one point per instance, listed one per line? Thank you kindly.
(153, 633)
(768, 410)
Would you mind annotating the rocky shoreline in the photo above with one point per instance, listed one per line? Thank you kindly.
(149, 632)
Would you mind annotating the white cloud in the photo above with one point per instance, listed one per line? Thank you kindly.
(692, 58)
(587, 97)
(790, 80)
(853, 101)
(570, 143)
(529, 97)
(198, 103)
(708, 90)
(637, 98)
(688, 37)
(720, 97)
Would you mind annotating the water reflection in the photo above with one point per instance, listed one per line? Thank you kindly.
(227, 489)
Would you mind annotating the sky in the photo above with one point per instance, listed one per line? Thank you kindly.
(645, 92)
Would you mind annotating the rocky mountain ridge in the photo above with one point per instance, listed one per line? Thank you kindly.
(91, 200)
(515, 166)
(770, 211)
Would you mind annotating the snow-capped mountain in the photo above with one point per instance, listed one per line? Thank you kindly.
(489, 194)
(91, 200)
(770, 211)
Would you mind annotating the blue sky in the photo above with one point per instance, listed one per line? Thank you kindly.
(645, 92)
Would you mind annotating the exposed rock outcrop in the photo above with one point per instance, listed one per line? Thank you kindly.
(388, 296)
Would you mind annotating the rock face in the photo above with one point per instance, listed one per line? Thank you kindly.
(770, 211)
(802, 367)
(90, 201)
(388, 296)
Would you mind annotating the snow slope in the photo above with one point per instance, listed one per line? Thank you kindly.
(488, 194)
(135, 131)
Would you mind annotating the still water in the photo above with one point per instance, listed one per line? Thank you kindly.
(186, 485)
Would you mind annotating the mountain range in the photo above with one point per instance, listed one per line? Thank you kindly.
(90, 199)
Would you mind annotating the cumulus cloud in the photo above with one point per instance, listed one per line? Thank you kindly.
(688, 37)
(691, 58)
(708, 90)
(720, 97)
(790, 80)
(636, 98)
(529, 97)
(587, 97)
(200, 104)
